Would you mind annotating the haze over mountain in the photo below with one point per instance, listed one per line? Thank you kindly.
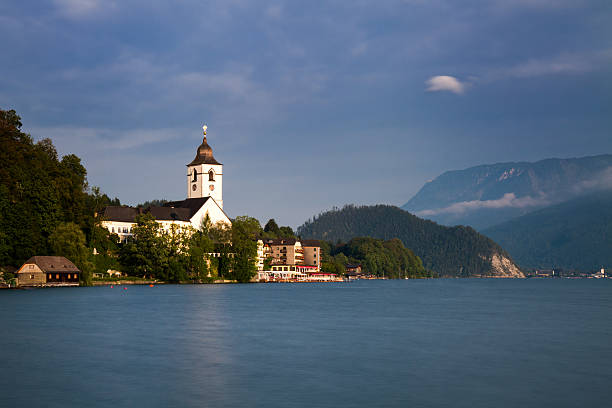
(490, 194)
(576, 234)
(449, 251)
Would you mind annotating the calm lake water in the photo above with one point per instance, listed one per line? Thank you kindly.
(431, 343)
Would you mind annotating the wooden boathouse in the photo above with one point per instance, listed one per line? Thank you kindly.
(48, 271)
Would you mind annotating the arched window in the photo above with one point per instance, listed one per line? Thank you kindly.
(211, 175)
(195, 175)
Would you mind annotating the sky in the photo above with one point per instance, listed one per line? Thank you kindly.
(309, 105)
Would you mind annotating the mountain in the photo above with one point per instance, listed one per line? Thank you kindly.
(449, 251)
(486, 195)
(576, 234)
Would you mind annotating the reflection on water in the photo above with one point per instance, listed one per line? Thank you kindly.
(433, 343)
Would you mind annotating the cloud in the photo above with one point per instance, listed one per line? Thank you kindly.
(509, 200)
(83, 139)
(274, 11)
(445, 83)
(83, 8)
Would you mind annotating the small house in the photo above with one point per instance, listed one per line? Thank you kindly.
(48, 271)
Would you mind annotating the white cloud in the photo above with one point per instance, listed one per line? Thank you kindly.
(83, 8)
(274, 11)
(83, 139)
(508, 200)
(445, 83)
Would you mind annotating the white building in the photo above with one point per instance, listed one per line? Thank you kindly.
(204, 197)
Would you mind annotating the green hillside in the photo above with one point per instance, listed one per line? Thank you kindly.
(576, 234)
(449, 251)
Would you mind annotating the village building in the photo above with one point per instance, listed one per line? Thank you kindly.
(204, 198)
(312, 252)
(48, 271)
(289, 254)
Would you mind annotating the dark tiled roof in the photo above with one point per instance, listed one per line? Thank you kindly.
(204, 155)
(53, 264)
(311, 243)
(170, 214)
(280, 241)
(121, 213)
(191, 204)
(165, 213)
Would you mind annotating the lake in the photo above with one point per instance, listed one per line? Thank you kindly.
(410, 343)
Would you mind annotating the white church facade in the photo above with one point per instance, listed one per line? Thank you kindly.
(204, 197)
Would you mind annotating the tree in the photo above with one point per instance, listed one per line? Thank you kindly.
(272, 227)
(245, 231)
(147, 254)
(69, 241)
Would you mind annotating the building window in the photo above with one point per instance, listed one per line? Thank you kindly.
(211, 175)
(31, 276)
(113, 229)
(31, 266)
(195, 175)
(57, 276)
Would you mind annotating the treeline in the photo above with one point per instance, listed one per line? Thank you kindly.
(448, 251)
(390, 259)
(46, 205)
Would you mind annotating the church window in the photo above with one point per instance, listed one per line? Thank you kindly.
(195, 175)
(211, 175)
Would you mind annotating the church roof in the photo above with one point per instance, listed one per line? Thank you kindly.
(204, 155)
(191, 204)
(121, 213)
(128, 214)
(170, 214)
(53, 264)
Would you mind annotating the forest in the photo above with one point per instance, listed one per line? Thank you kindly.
(448, 251)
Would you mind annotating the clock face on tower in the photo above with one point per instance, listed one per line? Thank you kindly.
(211, 187)
(194, 187)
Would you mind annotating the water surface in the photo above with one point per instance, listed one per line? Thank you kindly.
(429, 343)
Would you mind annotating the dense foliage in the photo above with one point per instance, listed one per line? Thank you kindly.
(575, 235)
(178, 255)
(272, 230)
(389, 259)
(448, 251)
(39, 192)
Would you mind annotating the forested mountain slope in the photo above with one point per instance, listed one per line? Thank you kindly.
(449, 251)
(576, 234)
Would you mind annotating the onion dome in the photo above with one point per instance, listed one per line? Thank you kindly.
(204, 154)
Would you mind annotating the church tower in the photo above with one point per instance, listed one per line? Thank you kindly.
(205, 174)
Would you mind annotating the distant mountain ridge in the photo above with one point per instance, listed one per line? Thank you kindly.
(449, 251)
(576, 234)
(486, 195)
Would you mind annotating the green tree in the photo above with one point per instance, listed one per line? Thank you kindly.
(69, 241)
(272, 227)
(147, 255)
(245, 231)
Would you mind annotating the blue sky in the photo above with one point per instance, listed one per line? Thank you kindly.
(309, 105)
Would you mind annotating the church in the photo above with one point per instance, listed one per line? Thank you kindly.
(204, 197)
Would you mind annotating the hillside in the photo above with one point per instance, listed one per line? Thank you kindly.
(486, 195)
(449, 251)
(576, 234)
